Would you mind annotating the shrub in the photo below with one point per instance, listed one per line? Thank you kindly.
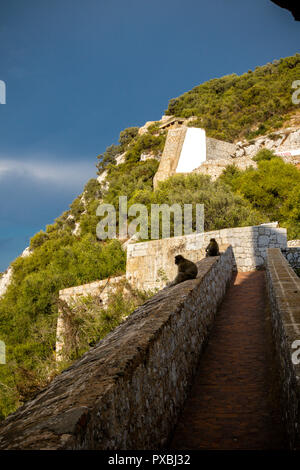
(264, 154)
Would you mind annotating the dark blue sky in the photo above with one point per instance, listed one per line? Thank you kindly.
(78, 72)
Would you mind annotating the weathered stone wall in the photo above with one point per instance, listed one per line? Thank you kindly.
(215, 168)
(127, 391)
(284, 293)
(151, 264)
(218, 149)
(101, 289)
(171, 154)
(292, 255)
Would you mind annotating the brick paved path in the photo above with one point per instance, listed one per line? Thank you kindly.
(234, 402)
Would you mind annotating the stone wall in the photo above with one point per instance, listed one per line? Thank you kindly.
(151, 264)
(218, 149)
(101, 289)
(284, 293)
(292, 255)
(171, 154)
(215, 168)
(127, 392)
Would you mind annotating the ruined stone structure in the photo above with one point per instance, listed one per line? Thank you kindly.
(171, 154)
(186, 148)
(217, 155)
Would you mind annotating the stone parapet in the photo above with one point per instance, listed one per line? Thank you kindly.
(284, 294)
(127, 391)
(150, 265)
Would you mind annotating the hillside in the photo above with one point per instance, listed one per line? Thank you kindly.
(249, 105)
(68, 253)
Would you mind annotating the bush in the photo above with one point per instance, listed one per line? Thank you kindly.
(28, 310)
(127, 135)
(273, 189)
(108, 157)
(264, 154)
(87, 321)
(38, 239)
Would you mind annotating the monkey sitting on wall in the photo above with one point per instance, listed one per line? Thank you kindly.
(212, 248)
(186, 270)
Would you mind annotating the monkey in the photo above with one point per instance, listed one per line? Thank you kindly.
(186, 270)
(212, 248)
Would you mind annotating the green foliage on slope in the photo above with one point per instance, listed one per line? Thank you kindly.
(86, 321)
(273, 189)
(235, 106)
(133, 145)
(222, 208)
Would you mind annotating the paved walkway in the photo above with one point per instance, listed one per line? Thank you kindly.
(234, 402)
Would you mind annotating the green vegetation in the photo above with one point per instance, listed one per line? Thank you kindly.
(133, 145)
(235, 106)
(264, 154)
(223, 208)
(87, 322)
(273, 189)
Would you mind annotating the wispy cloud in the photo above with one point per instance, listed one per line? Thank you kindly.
(51, 171)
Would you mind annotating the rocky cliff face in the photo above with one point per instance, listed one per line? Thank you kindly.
(285, 143)
(7, 276)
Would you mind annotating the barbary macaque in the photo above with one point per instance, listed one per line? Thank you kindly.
(186, 270)
(212, 248)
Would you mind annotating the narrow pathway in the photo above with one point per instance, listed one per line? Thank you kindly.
(234, 402)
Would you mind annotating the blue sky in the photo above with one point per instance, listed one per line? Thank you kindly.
(78, 72)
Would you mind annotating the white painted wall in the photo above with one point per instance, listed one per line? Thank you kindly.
(193, 151)
(288, 153)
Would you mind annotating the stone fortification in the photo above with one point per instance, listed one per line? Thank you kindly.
(127, 391)
(219, 154)
(285, 143)
(218, 149)
(184, 151)
(284, 293)
(171, 154)
(214, 168)
(151, 264)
